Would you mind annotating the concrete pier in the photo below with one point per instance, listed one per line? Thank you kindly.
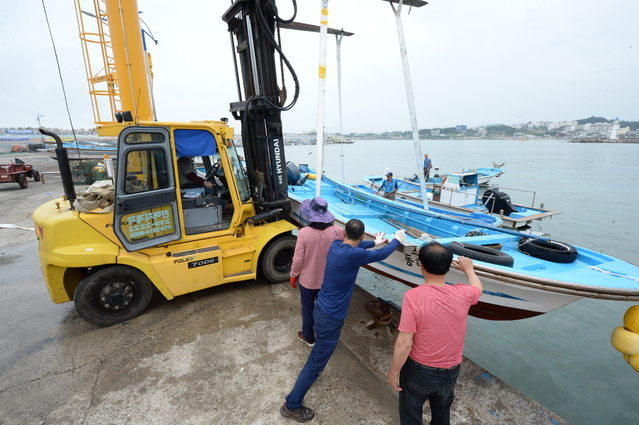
(225, 355)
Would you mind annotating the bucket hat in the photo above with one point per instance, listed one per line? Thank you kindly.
(316, 210)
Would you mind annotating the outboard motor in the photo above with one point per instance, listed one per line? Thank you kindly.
(413, 178)
(496, 201)
(293, 175)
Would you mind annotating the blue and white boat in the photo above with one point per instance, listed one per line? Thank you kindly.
(460, 192)
(529, 275)
(485, 173)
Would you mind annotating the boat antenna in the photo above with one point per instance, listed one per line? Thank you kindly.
(64, 91)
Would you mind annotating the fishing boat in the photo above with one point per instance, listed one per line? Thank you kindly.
(87, 147)
(523, 274)
(486, 173)
(460, 192)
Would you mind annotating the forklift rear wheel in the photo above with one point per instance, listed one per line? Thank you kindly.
(22, 180)
(113, 295)
(277, 260)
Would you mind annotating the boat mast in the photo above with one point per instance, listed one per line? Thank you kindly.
(321, 95)
(409, 89)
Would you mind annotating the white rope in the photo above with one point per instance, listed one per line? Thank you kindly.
(614, 274)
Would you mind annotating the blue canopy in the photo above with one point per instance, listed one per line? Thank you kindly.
(194, 143)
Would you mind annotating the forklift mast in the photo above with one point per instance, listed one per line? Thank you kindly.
(253, 26)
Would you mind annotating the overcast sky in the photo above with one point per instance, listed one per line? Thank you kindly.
(472, 62)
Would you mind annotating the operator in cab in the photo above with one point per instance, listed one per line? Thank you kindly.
(188, 175)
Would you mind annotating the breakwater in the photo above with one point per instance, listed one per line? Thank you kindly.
(604, 141)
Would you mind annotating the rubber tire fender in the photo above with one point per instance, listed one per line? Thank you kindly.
(550, 250)
(22, 180)
(113, 283)
(481, 253)
(276, 261)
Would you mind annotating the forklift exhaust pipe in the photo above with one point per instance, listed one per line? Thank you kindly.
(64, 165)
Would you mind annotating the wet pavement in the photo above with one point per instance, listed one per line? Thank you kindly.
(225, 355)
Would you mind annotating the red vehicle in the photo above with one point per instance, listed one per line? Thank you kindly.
(18, 172)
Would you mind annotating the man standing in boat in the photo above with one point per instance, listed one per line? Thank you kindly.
(389, 187)
(428, 350)
(428, 164)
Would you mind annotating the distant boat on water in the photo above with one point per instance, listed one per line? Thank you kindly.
(87, 147)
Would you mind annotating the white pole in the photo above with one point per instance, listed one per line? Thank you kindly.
(411, 101)
(321, 94)
(338, 39)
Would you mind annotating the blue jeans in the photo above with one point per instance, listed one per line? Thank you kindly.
(307, 298)
(327, 332)
(420, 383)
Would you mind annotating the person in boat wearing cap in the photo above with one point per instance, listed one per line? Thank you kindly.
(309, 259)
(389, 187)
(343, 261)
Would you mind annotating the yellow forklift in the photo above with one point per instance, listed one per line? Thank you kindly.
(157, 232)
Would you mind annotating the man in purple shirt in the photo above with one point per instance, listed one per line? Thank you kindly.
(343, 261)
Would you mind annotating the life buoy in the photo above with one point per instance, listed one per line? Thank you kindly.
(625, 339)
(631, 318)
(549, 250)
(481, 253)
(633, 361)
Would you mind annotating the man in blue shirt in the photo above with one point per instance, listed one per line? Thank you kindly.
(343, 261)
(389, 187)
(428, 164)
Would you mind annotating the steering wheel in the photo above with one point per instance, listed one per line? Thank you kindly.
(215, 170)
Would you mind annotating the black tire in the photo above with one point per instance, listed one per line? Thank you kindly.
(549, 250)
(36, 176)
(481, 253)
(277, 259)
(22, 180)
(113, 295)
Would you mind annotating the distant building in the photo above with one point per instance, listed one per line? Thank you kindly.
(434, 132)
(461, 128)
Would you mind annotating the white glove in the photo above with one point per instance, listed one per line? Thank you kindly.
(380, 239)
(400, 236)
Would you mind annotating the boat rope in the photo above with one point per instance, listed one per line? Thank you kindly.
(608, 272)
(344, 196)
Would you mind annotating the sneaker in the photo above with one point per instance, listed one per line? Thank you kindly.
(301, 414)
(300, 336)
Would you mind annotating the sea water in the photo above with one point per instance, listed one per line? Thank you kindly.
(562, 359)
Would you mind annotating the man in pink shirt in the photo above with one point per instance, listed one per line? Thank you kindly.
(428, 350)
(309, 259)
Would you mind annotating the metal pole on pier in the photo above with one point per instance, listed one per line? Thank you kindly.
(409, 89)
(324, 31)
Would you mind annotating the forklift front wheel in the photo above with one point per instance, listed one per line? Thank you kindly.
(113, 295)
(277, 260)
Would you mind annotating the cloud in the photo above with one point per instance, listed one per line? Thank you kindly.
(470, 62)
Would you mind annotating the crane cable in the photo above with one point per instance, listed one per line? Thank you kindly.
(64, 92)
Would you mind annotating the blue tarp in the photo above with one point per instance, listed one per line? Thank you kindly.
(194, 143)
